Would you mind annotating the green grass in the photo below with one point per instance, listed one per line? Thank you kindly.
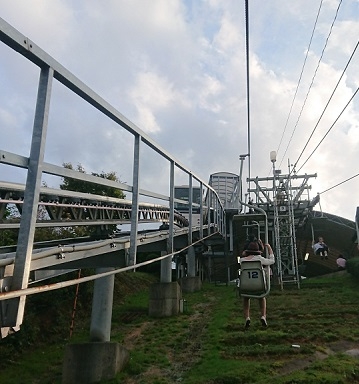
(208, 344)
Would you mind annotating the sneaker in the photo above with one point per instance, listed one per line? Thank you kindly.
(248, 323)
(264, 322)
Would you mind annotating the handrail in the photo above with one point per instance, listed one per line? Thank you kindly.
(36, 167)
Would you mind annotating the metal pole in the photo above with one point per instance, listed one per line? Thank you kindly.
(166, 264)
(16, 307)
(201, 211)
(135, 198)
(190, 202)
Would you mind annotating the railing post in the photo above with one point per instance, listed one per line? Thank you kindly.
(15, 308)
(135, 199)
(190, 202)
(201, 212)
(209, 210)
(166, 264)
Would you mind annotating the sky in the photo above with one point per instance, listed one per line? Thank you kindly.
(177, 69)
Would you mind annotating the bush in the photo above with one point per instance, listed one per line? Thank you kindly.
(353, 267)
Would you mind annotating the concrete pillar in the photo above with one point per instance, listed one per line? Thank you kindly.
(191, 262)
(93, 362)
(190, 284)
(166, 269)
(164, 299)
(99, 359)
(101, 316)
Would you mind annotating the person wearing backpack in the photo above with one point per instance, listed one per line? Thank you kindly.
(253, 252)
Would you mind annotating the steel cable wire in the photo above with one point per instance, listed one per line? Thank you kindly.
(326, 106)
(300, 76)
(335, 121)
(312, 82)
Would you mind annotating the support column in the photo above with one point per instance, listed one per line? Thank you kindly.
(192, 282)
(191, 262)
(166, 269)
(102, 301)
(99, 359)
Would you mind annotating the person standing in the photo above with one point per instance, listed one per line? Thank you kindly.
(253, 253)
(341, 262)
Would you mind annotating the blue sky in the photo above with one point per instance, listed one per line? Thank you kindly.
(177, 70)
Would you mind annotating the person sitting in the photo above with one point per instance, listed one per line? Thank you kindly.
(320, 248)
(253, 253)
(253, 239)
(341, 262)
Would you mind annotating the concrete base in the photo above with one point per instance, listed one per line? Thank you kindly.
(164, 299)
(190, 284)
(92, 362)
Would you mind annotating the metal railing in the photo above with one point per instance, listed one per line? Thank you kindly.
(35, 166)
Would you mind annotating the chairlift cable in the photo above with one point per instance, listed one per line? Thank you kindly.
(312, 82)
(326, 106)
(247, 70)
(337, 185)
(335, 121)
(300, 77)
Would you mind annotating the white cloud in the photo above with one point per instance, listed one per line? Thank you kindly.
(177, 70)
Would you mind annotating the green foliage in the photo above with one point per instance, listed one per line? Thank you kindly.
(8, 237)
(353, 267)
(92, 188)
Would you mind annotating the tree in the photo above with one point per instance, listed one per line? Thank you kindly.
(87, 187)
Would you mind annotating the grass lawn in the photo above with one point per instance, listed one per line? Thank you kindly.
(208, 344)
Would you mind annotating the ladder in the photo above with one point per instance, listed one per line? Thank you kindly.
(284, 233)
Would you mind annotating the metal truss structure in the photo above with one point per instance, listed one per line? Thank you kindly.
(287, 207)
(76, 209)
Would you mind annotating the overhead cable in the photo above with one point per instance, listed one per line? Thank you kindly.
(247, 70)
(326, 106)
(300, 76)
(312, 82)
(330, 128)
(337, 185)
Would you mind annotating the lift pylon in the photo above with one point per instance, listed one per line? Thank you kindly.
(285, 199)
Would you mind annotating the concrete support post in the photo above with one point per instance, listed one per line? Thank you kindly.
(191, 283)
(191, 262)
(164, 299)
(166, 269)
(101, 316)
(98, 359)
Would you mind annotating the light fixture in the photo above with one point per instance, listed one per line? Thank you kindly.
(273, 156)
